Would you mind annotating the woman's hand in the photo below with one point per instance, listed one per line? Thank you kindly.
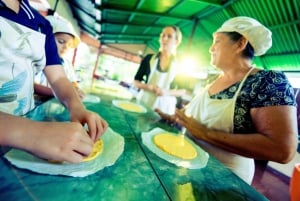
(164, 116)
(193, 126)
(154, 89)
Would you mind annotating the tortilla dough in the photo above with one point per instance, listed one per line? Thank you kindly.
(175, 145)
(97, 150)
(130, 107)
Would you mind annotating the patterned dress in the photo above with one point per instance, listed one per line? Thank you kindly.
(265, 88)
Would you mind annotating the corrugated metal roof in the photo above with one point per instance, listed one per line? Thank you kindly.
(140, 21)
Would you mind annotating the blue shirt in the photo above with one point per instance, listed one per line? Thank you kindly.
(30, 18)
(27, 45)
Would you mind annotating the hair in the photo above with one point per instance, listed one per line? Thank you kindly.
(248, 52)
(178, 33)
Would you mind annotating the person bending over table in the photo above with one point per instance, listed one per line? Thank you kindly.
(27, 47)
(156, 73)
(66, 39)
(246, 113)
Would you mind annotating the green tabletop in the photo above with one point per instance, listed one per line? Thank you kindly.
(138, 174)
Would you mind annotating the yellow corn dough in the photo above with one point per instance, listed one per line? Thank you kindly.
(132, 107)
(175, 145)
(97, 150)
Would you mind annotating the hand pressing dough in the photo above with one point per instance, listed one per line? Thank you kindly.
(97, 150)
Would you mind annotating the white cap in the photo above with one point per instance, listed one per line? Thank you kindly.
(61, 25)
(257, 34)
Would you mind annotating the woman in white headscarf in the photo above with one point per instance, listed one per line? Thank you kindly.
(246, 113)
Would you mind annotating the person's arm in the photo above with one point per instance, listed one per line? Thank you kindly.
(66, 93)
(60, 141)
(142, 74)
(147, 87)
(43, 90)
(275, 139)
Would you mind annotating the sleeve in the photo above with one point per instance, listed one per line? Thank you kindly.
(273, 89)
(52, 57)
(144, 69)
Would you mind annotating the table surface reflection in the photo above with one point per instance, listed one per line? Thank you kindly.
(137, 175)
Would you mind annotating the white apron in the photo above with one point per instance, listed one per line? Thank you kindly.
(166, 104)
(218, 115)
(22, 55)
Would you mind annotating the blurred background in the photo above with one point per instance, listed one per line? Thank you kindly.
(117, 34)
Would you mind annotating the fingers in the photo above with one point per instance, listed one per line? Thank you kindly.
(96, 127)
(181, 118)
(179, 114)
(81, 151)
(158, 111)
(103, 126)
(163, 115)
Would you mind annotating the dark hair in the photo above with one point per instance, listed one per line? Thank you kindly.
(248, 51)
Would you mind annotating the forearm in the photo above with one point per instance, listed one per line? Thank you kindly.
(274, 139)
(19, 133)
(42, 90)
(138, 84)
(254, 145)
(67, 94)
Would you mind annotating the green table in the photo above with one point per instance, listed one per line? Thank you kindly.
(138, 175)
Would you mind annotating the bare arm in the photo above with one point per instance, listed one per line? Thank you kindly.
(43, 90)
(147, 87)
(276, 137)
(60, 141)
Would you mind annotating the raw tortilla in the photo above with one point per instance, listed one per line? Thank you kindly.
(97, 150)
(130, 107)
(175, 145)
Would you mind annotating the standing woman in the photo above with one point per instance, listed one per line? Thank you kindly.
(156, 73)
(246, 113)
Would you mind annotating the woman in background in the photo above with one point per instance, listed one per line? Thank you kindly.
(156, 73)
(246, 113)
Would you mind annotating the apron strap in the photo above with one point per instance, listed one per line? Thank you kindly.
(242, 83)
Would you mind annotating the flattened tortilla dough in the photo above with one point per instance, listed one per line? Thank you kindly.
(97, 150)
(130, 107)
(175, 145)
